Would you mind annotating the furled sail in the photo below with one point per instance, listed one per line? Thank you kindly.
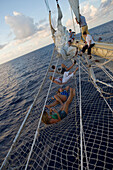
(75, 7)
(52, 29)
(61, 38)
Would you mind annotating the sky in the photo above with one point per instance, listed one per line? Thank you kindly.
(24, 25)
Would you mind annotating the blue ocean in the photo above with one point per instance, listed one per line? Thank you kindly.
(20, 80)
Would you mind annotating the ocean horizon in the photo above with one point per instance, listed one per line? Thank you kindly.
(93, 31)
(20, 80)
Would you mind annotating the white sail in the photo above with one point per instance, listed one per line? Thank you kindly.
(75, 7)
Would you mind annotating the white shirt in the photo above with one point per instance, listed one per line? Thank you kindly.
(88, 38)
(58, 80)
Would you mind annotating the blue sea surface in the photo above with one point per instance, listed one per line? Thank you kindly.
(20, 80)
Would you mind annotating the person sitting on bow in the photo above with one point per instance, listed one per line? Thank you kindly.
(71, 37)
(89, 43)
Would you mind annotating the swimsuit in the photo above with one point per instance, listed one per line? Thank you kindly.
(54, 116)
(65, 93)
(62, 114)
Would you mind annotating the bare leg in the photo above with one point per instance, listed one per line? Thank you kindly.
(67, 68)
(69, 100)
(58, 99)
(70, 67)
(52, 104)
(67, 88)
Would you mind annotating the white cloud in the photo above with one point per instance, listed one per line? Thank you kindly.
(21, 25)
(102, 1)
(89, 11)
(29, 36)
(97, 15)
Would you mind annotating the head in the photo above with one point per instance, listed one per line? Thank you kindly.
(53, 67)
(70, 30)
(85, 33)
(69, 42)
(45, 118)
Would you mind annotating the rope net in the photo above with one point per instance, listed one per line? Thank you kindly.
(57, 146)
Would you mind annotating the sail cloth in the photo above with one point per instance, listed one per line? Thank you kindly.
(61, 37)
(75, 7)
(52, 29)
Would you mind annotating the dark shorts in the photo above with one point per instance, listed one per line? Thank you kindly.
(62, 114)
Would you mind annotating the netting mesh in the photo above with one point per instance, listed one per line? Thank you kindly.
(57, 146)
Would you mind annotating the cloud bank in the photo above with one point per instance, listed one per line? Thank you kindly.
(91, 11)
(28, 36)
(94, 15)
(23, 26)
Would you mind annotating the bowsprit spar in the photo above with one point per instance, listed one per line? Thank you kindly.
(82, 140)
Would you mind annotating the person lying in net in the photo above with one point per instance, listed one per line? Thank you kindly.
(63, 68)
(66, 77)
(58, 115)
(61, 96)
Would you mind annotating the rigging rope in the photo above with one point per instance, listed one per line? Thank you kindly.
(37, 130)
(47, 5)
(80, 107)
(94, 80)
(27, 115)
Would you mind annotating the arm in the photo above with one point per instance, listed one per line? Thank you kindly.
(51, 70)
(77, 21)
(70, 67)
(57, 83)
